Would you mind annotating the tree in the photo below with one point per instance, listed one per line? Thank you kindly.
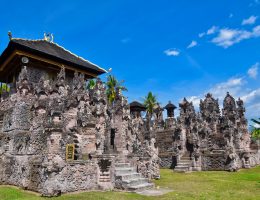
(150, 102)
(4, 87)
(256, 129)
(112, 85)
(91, 84)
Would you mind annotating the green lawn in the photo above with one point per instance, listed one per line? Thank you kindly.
(241, 185)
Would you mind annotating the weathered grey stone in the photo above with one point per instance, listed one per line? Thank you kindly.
(208, 140)
(43, 120)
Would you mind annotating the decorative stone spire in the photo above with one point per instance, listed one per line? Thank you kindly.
(61, 77)
(229, 103)
(209, 108)
(240, 108)
(23, 85)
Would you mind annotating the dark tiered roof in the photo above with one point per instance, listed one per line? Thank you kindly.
(51, 51)
(170, 106)
(135, 105)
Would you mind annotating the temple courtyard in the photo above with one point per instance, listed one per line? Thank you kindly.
(244, 184)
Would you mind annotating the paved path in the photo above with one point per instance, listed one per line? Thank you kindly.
(154, 192)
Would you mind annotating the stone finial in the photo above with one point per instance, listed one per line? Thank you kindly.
(10, 35)
(48, 37)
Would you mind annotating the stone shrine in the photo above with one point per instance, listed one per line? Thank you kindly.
(207, 140)
(57, 135)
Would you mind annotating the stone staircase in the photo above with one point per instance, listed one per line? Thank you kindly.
(183, 165)
(128, 178)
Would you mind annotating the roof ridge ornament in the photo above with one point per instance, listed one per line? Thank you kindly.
(48, 37)
(10, 35)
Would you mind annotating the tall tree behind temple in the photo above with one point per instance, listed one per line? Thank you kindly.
(150, 102)
(112, 85)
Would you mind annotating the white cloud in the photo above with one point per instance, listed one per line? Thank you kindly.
(237, 87)
(227, 37)
(219, 91)
(251, 95)
(256, 31)
(253, 71)
(233, 85)
(201, 34)
(172, 52)
(195, 101)
(192, 44)
(252, 102)
(250, 20)
(212, 30)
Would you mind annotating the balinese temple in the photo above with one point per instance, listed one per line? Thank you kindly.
(57, 135)
(44, 58)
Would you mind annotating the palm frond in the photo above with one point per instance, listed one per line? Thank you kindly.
(255, 121)
(112, 85)
(150, 102)
(4, 87)
(91, 84)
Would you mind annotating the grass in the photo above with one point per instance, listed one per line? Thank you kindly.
(243, 185)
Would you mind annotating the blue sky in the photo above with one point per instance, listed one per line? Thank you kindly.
(173, 48)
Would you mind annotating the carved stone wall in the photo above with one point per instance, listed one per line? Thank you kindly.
(210, 139)
(55, 133)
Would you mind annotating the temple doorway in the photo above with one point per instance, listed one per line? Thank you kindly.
(112, 137)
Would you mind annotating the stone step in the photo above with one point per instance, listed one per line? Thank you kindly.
(184, 161)
(120, 165)
(185, 158)
(123, 170)
(142, 186)
(104, 179)
(128, 176)
(133, 182)
(182, 165)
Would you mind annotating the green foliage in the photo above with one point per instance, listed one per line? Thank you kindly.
(149, 102)
(112, 85)
(91, 84)
(4, 87)
(256, 134)
(256, 131)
